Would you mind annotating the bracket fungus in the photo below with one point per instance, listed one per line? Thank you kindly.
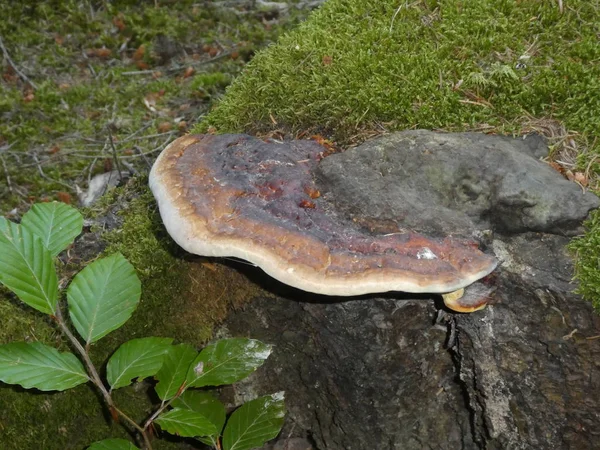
(239, 196)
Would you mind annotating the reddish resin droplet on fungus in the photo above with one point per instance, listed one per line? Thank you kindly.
(306, 204)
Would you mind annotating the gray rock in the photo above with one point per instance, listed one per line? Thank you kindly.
(528, 371)
(292, 444)
(455, 184)
(399, 371)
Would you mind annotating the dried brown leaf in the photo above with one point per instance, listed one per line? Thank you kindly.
(139, 53)
(163, 127)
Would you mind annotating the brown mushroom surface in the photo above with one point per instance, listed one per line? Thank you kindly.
(239, 196)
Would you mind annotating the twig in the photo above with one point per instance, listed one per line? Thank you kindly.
(92, 12)
(177, 69)
(41, 171)
(133, 423)
(92, 71)
(149, 136)
(91, 169)
(139, 130)
(140, 72)
(131, 168)
(3, 149)
(164, 406)
(471, 102)
(394, 17)
(6, 147)
(114, 153)
(76, 154)
(14, 66)
(10, 188)
(201, 63)
(95, 378)
(570, 335)
(140, 153)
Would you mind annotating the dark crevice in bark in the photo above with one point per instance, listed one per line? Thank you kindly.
(476, 424)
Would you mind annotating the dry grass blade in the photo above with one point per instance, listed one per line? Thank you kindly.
(14, 66)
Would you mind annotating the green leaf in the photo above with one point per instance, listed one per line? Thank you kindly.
(35, 365)
(57, 224)
(27, 267)
(254, 423)
(186, 423)
(204, 403)
(174, 370)
(103, 296)
(113, 444)
(138, 358)
(227, 361)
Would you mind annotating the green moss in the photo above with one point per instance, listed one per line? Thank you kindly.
(73, 419)
(587, 264)
(58, 132)
(24, 324)
(356, 65)
(207, 80)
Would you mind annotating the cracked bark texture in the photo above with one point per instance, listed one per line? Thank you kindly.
(397, 371)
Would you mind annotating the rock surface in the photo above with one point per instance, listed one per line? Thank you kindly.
(454, 184)
(398, 371)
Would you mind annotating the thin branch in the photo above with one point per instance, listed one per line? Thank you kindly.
(7, 147)
(14, 66)
(201, 63)
(8, 182)
(164, 406)
(3, 149)
(177, 69)
(141, 153)
(43, 175)
(394, 17)
(114, 153)
(95, 378)
(91, 170)
(140, 72)
(133, 423)
(149, 136)
(138, 131)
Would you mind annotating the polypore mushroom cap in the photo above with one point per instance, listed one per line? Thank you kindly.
(238, 196)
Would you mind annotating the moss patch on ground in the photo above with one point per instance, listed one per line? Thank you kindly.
(587, 268)
(88, 73)
(63, 420)
(374, 65)
(358, 68)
